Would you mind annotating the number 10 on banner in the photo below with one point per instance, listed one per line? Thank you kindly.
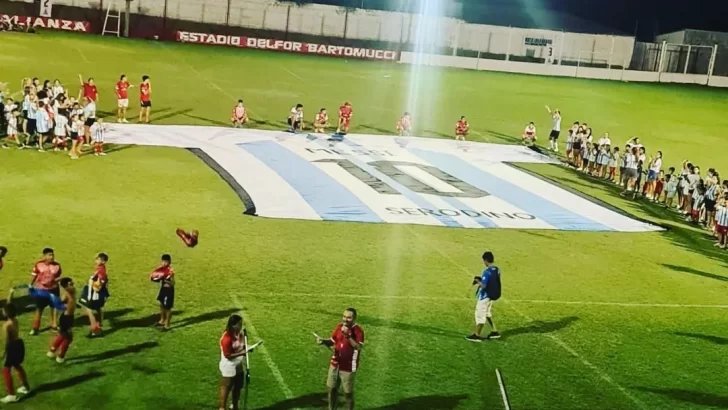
(45, 8)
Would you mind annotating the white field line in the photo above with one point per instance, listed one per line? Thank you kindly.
(282, 67)
(602, 375)
(504, 395)
(82, 55)
(295, 295)
(263, 351)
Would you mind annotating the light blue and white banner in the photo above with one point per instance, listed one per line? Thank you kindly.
(381, 179)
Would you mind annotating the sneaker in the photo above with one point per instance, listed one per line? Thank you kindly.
(65, 149)
(74, 156)
(493, 335)
(23, 390)
(118, 120)
(51, 354)
(5, 146)
(60, 360)
(103, 154)
(21, 146)
(56, 149)
(41, 150)
(474, 338)
(34, 332)
(96, 154)
(123, 120)
(9, 399)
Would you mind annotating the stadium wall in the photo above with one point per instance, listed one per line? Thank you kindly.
(562, 71)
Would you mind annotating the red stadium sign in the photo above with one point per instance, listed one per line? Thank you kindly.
(49, 23)
(288, 46)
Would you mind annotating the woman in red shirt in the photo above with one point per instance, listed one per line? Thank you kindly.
(232, 353)
(88, 89)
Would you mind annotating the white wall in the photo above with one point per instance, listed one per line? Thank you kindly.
(563, 71)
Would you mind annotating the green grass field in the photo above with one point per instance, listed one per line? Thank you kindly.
(590, 320)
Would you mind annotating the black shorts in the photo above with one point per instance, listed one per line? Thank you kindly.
(94, 304)
(166, 297)
(74, 135)
(43, 302)
(89, 122)
(31, 126)
(709, 205)
(15, 353)
(576, 146)
(65, 324)
(146, 104)
(25, 115)
(554, 134)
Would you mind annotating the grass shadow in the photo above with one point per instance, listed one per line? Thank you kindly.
(433, 402)
(376, 129)
(505, 137)
(685, 269)
(137, 322)
(172, 114)
(110, 316)
(117, 147)
(316, 400)
(689, 396)
(205, 317)
(439, 134)
(709, 338)
(114, 353)
(540, 327)
(396, 325)
(144, 369)
(64, 384)
(207, 120)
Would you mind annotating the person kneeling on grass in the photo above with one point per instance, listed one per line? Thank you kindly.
(489, 291)
(164, 274)
(529, 134)
(240, 115)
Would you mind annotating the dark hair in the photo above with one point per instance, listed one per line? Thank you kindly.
(10, 311)
(240, 101)
(121, 77)
(671, 169)
(323, 109)
(90, 79)
(167, 258)
(46, 251)
(488, 257)
(352, 310)
(14, 110)
(104, 257)
(145, 77)
(3, 251)
(667, 177)
(616, 148)
(299, 105)
(406, 113)
(232, 321)
(462, 117)
(65, 282)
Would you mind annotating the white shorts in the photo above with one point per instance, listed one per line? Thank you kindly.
(230, 368)
(483, 311)
(123, 103)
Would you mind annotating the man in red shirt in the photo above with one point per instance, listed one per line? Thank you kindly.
(347, 341)
(345, 114)
(88, 89)
(46, 274)
(461, 129)
(122, 98)
(145, 99)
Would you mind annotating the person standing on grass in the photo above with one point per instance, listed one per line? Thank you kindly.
(347, 340)
(721, 221)
(232, 366)
(14, 354)
(122, 98)
(88, 89)
(488, 291)
(76, 135)
(94, 295)
(60, 132)
(99, 132)
(654, 168)
(629, 175)
(712, 185)
(164, 274)
(89, 113)
(60, 344)
(46, 274)
(145, 99)
(555, 129)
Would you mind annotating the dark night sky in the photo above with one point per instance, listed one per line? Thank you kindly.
(648, 17)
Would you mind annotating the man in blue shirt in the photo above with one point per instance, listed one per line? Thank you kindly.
(488, 291)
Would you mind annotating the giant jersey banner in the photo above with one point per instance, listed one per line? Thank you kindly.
(384, 179)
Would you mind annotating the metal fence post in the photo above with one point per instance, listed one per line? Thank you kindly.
(611, 53)
(711, 65)
(508, 50)
(164, 16)
(687, 59)
(663, 50)
(227, 12)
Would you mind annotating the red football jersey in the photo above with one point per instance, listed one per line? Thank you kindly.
(345, 356)
(345, 111)
(46, 274)
(100, 278)
(461, 127)
(163, 274)
(322, 118)
(145, 90)
(122, 90)
(90, 91)
(238, 112)
(231, 343)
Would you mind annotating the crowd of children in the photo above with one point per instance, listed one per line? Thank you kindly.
(702, 200)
